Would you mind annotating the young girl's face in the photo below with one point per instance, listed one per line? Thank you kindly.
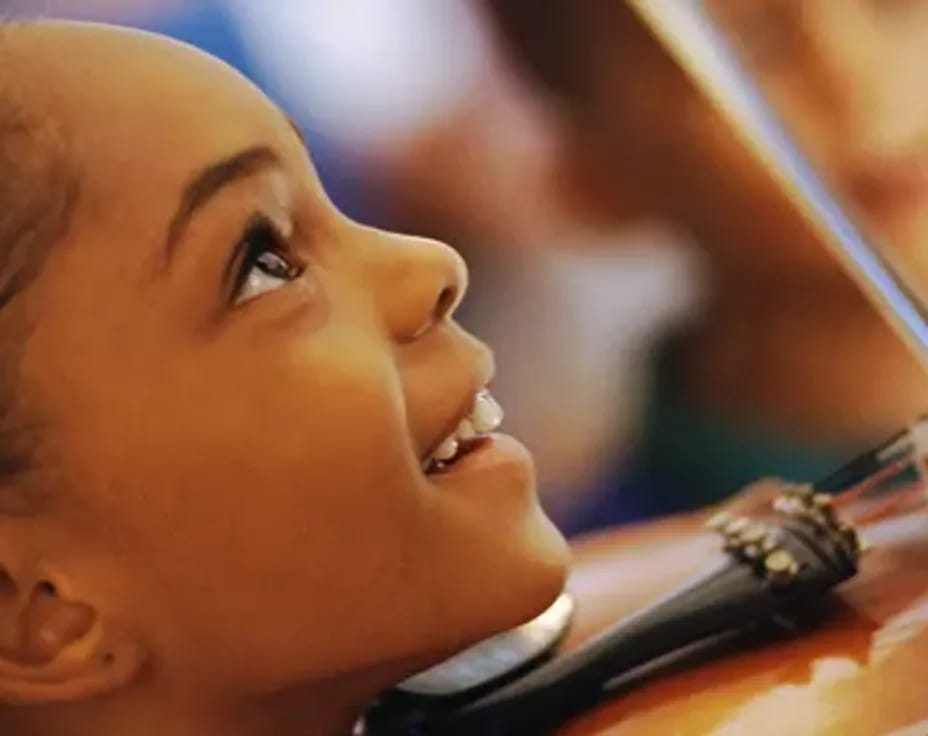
(241, 387)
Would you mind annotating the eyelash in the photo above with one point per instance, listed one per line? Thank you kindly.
(260, 236)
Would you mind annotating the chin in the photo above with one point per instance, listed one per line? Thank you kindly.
(550, 562)
(535, 578)
(513, 585)
(503, 561)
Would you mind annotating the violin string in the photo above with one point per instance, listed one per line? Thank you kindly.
(892, 506)
(869, 484)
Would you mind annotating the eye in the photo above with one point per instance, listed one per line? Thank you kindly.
(261, 263)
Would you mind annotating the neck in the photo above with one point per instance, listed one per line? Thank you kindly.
(813, 361)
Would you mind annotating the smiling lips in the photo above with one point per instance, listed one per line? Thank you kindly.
(484, 418)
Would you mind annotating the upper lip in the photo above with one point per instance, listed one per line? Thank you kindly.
(450, 427)
(482, 378)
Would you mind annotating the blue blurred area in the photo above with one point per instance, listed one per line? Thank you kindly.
(211, 27)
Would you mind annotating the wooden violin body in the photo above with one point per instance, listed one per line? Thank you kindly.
(861, 671)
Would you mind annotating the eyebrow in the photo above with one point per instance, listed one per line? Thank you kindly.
(209, 182)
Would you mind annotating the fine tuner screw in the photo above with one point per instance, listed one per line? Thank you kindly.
(781, 566)
(760, 544)
(755, 542)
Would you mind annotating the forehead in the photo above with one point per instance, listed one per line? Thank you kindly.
(141, 114)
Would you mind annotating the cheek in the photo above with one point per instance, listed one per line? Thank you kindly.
(261, 497)
(288, 446)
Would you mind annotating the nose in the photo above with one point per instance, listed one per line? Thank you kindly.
(419, 284)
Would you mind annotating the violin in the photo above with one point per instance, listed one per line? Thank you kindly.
(862, 670)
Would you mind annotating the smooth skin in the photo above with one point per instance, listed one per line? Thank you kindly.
(236, 528)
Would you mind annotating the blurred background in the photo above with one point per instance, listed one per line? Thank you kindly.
(666, 329)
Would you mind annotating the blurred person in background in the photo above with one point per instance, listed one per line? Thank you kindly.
(789, 367)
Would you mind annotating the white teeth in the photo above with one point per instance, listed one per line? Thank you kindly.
(447, 449)
(487, 415)
(466, 430)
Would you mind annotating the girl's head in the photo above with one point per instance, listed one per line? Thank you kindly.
(218, 394)
(847, 77)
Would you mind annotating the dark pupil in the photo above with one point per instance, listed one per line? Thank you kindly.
(273, 265)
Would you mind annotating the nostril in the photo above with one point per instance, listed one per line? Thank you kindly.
(445, 302)
(421, 286)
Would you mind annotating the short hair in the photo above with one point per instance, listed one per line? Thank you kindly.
(38, 192)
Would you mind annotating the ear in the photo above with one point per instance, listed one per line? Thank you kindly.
(54, 648)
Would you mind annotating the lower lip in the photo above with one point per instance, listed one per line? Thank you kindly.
(490, 452)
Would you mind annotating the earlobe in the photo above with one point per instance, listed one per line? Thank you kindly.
(58, 650)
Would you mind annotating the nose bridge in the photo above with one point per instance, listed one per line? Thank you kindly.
(417, 282)
(866, 68)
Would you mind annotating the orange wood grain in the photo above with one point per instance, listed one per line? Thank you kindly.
(863, 672)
